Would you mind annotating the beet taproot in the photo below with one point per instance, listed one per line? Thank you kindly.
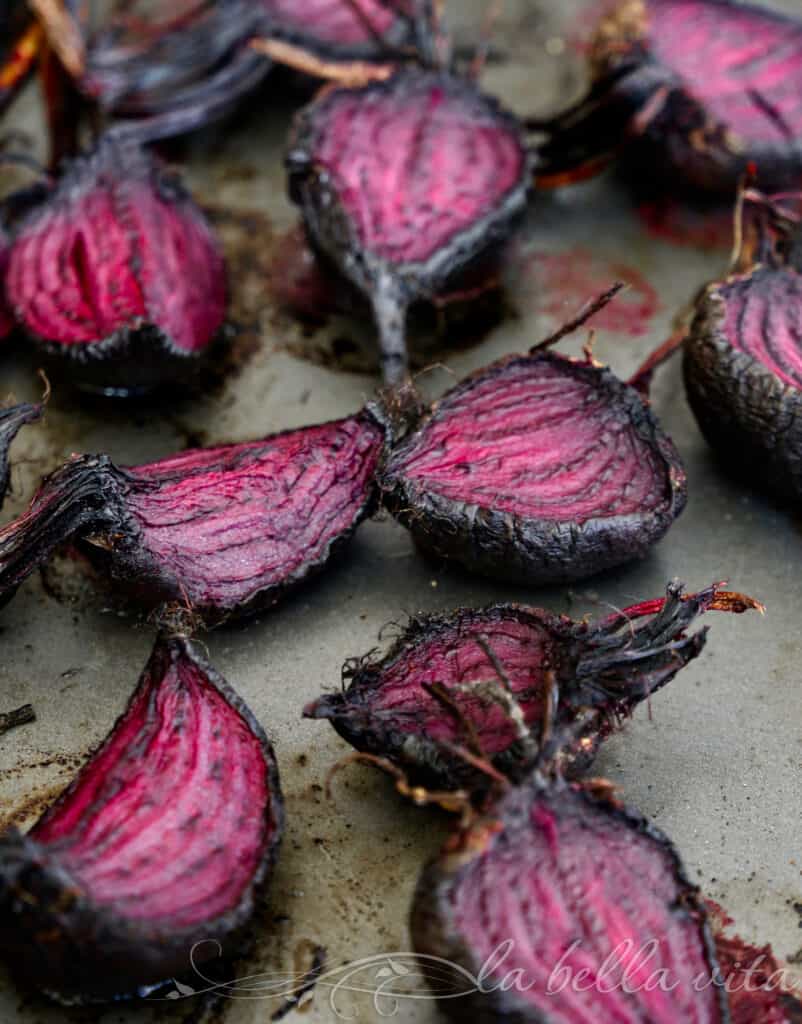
(403, 185)
(227, 530)
(537, 469)
(559, 905)
(434, 689)
(693, 91)
(116, 275)
(743, 355)
(158, 849)
(12, 420)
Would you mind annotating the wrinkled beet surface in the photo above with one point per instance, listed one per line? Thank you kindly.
(158, 844)
(118, 267)
(11, 422)
(388, 708)
(565, 879)
(335, 26)
(227, 530)
(537, 468)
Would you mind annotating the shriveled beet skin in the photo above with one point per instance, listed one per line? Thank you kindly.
(338, 29)
(697, 91)
(611, 665)
(117, 274)
(226, 530)
(553, 881)
(537, 469)
(12, 420)
(403, 184)
(743, 369)
(156, 851)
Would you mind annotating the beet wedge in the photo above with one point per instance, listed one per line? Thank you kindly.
(12, 420)
(404, 184)
(743, 355)
(116, 275)
(558, 906)
(157, 850)
(227, 531)
(537, 469)
(694, 91)
(429, 693)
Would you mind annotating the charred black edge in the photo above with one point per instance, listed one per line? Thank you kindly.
(400, 37)
(749, 416)
(128, 562)
(434, 932)
(76, 950)
(12, 420)
(534, 551)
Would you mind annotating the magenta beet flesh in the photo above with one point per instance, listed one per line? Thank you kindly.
(225, 530)
(403, 184)
(537, 469)
(388, 708)
(159, 844)
(117, 274)
(337, 29)
(553, 882)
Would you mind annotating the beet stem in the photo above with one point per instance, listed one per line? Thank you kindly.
(587, 312)
(12, 719)
(390, 312)
(63, 34)
(641, 380)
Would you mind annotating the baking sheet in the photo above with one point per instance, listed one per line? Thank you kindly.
(716, 761)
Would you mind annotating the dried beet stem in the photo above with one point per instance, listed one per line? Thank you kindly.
(13, 719)
(24, 54)
(12, 420)
(152, 859)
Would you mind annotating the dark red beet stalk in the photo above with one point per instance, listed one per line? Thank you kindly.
(11, 422)
(697, 90)
(537, 469)
(403, 184)
(117, 274)
(743, 357)
(156, 851)
(428, 695)
(572, 891)
(226, 530)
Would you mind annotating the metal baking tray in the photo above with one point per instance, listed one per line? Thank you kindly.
(716, 760)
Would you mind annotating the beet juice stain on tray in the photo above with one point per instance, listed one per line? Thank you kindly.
(151, 860)
(439, 684)
(227, 531)
(698, 91)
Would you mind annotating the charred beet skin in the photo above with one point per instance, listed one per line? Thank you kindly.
(11, 422)
(226, 530)
(156, 851)
(696, 90)
(537, 469)
(552, 883)
(743, 362)
(117, 274)
(390, 707)
(403, 184)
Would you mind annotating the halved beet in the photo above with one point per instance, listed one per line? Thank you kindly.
(12, 420)
(391, 708)
(700, 90)
(157, 850)
(403, 184)
(537, 469)
(563, 907)
(117, 274)
(227, 531)
(340, 29)
(743, 363)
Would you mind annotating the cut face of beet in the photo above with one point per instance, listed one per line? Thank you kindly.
(537, 469)
(403, 184)
(11, 422)
(390, 707)
(743, 369)
(698, 89)
(338, 29)
(117, 275)
(585, 900)
(227, 530)
(156, 851)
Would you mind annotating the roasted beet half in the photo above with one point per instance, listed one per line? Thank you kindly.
(117, 275)
(227, 531)
(696, 90)
(537, 469)
(743, 360)
(563, 906)
(168, 73)
(438, 688)
(405, 183)
(157, 850)
(340, 30)
(12, 420)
